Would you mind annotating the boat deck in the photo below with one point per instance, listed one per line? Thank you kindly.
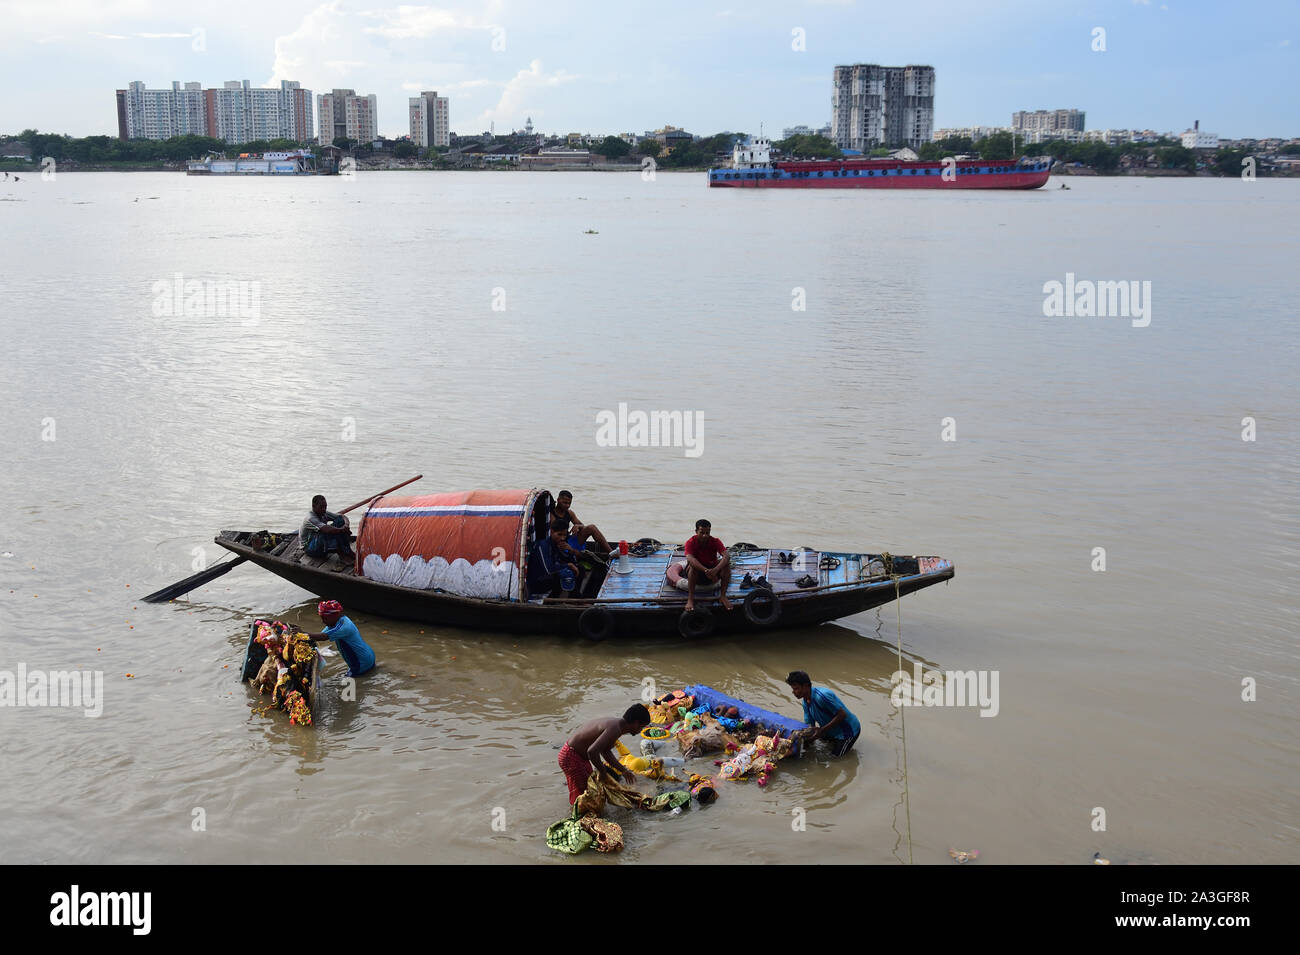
(649, 581)
(294, 553)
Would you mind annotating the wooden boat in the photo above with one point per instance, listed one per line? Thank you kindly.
(460, 559)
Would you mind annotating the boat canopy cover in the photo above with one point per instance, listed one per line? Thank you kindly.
(463, 542)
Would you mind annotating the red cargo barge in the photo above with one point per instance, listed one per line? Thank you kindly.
(752, 168)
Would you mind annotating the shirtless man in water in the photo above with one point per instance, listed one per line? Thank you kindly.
(591, 748)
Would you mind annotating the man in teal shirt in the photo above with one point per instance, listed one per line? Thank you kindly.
(823, 710)
(338, 628)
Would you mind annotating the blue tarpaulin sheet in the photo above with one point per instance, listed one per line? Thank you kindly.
(764, 719)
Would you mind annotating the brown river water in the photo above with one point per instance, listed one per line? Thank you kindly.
(465, 326)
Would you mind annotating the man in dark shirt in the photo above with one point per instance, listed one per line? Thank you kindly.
(707, 562)
(562, 511)
(325, 533)
(550, 557)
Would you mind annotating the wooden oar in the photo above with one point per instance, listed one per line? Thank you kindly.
(195, 581)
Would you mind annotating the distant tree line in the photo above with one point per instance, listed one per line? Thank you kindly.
(97, 149)
(701, 152)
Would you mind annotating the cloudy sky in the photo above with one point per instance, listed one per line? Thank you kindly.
(577, 66)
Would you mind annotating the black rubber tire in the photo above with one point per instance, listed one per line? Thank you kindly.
(596, 623)
(693, 624)
(757, 617)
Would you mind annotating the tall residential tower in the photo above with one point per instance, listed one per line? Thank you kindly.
(344, 114)
(429, 123)
(875, 106)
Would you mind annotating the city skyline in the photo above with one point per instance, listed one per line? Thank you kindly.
(579, 67)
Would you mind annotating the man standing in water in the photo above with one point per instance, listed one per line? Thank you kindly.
(591, 748)
(356, 652)
(823, 710)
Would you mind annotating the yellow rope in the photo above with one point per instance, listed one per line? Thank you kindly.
(902, 715)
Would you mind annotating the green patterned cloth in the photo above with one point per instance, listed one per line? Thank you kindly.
(567, 835)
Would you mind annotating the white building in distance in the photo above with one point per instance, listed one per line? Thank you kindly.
(429, 123)
(161, 114)
(241, 113)
(1045, 125)
(1197, 138)
(237, 112)
(344, 114)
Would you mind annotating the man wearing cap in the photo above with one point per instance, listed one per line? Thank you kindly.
(356, 652)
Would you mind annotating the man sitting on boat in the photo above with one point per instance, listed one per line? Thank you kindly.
(591, 747)
(550, 565)
(707, 562)
(823, 710)
(324, 533)
(356, 652)
(562, 511)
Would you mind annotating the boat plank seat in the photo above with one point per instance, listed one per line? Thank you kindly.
(297, 555)
(782, 577)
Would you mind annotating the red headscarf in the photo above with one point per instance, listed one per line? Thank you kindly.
(327, 607)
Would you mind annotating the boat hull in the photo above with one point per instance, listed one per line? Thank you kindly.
(1012, 181)
(886, 174)
(630, 618)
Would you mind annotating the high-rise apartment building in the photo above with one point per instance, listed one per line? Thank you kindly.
(161, 114)
(1044, 125)
(874, 106)
(238, 112)
(344, 114)
(429, 123)
(241, 113)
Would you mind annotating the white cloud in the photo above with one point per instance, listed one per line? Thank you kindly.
(406, 23)
(522, 94)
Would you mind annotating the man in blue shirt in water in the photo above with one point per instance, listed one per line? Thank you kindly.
(356, 652)
(823, 710)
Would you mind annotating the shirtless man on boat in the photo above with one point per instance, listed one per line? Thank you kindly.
(707, 562)
(591, 749)
(562, 511)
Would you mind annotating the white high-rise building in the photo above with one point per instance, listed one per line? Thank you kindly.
(875, 106)
(241, 113)
(237, 113)
(344, 114)
(161, 114)
(429, 123)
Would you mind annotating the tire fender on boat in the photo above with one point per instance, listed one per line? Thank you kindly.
(596, 623)
(754, 608)
(693, 624)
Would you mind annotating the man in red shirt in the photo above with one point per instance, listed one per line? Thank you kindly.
(707, 561)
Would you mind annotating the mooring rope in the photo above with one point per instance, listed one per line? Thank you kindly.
(902, 714)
